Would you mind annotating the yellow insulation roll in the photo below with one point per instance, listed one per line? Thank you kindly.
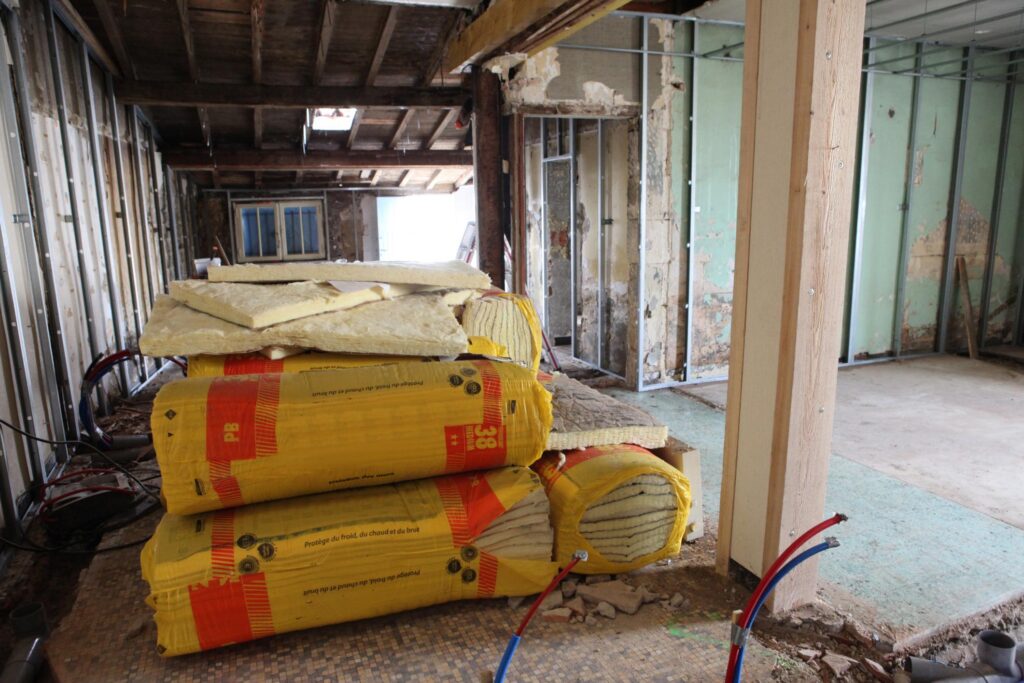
(228, 441)
(508, 320)
(622, 504)
(257, 363)
(234, 575)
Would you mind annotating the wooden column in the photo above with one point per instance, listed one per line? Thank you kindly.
(487, 172)
(798, 149)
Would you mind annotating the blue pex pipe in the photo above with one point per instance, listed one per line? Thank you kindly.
(506, 659)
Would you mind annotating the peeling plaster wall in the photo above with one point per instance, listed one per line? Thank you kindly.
(1009, 263)
(558, 293)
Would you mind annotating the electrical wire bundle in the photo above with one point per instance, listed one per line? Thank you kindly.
(743, 620)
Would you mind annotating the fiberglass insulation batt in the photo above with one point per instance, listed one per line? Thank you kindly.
(622, 504)
(233, 440)
(235, 575)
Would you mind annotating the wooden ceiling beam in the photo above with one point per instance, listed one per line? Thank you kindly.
(404, 180)
(375, 177)
(323, 40)
(403, 123)
(354, 130)
(383, 40)
(196, 159)
(433, 179)
(441, 127)
(503, 25)
(256, 14)
(463, 179)
(115, 37)
(193, 67)
(159, 93)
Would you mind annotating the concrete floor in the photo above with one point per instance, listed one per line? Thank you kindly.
(922, 449)
(948, 425)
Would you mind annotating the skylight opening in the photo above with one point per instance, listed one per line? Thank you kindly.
(332, 119)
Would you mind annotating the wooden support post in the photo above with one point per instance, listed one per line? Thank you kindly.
(798, 150)
(968, 308)
(487, 169)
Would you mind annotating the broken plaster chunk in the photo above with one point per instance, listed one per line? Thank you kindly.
(618, 594)
(576, 605)
(647, 596)
(597, 578)
(516, 601)
(605, 609)
(568, 589)
(551, 601)
(838, 664)
(677, 601)
(807, 654)
(876, 670)
(559, 615)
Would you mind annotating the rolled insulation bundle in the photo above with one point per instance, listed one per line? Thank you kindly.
(235, 575)
(622, 504)
(228, 441)
(508, 320)
(257, 363)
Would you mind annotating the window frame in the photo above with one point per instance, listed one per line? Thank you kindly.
(279, 206)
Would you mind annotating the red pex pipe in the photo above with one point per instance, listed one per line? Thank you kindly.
(744, 619)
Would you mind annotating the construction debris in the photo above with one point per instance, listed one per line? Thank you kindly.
(622, 504)
(415, 325)
(616, 593)
(509, 320)
(258, 306)
(450, 274)
(605, 609)
(585, 417)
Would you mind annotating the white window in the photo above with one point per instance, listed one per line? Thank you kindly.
(279, 231)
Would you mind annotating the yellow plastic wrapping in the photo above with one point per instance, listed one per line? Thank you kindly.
(585, 478)
(482, 346)
(257, 363)
(228, 441)
(235, 575)
(508, 320)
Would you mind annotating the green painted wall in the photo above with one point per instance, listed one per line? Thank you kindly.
(717, 105)
(1009, 261)
(879, 204)
(932, 179)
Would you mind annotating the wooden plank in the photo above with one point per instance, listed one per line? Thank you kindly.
(256, 24)
(441, 127)
(156, 93)
(386, 31)
(404, 180)
(499, 23)
(195, 159)
(257, 127)
(795, 202)
(354, 130)
(965, 302)
(751, 64)
(403, 123)
(323, 39)
(564, 24)
(193, 67)
(487, 166)
(70, 16)
(463, 179)
(433, 179)
(114, 36)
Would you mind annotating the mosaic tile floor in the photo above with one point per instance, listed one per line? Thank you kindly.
(110, 637)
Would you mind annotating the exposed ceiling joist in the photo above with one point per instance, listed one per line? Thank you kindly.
(357, 118)
(403, 123)
(158, 93)
(323, 39)
(433, 179)
(193, 67)
(256, 14)
(512, 25)
(441, 127)
(193, 159)
(453, 4)
(383, 40)
(463, 179)
(115, 37)
(404, 180)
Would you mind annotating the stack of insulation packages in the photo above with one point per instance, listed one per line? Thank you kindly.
(356, 439)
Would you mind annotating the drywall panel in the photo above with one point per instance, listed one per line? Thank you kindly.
(1008, 267)
(932, 177)
(883, 177)
(717, 97)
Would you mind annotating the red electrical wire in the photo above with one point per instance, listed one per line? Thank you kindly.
(547, 591)
(744, 619)
(77, 473)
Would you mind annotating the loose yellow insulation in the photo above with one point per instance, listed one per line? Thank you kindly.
(257, 363)
(228, 441)
(235, 575)
(622, 504)
(509, 320)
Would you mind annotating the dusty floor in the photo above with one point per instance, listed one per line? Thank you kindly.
(948, 425)
(456, 642)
